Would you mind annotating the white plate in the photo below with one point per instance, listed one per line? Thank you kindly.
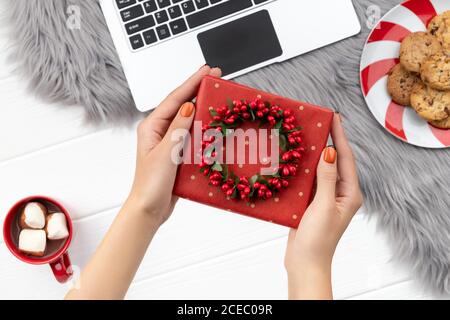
(380, 54)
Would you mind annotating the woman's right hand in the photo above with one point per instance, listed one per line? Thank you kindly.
(311, 248)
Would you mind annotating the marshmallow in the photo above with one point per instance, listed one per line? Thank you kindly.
(32, 242)
(57, 226)
(33, 216)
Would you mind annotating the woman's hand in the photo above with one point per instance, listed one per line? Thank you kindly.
(115, 262)
(311, 248)
(155, 169)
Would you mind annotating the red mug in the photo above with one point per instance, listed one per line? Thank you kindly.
(59, 261)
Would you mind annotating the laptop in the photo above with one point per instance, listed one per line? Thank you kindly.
(162, 42)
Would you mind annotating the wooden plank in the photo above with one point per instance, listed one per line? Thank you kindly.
(258, 272)
(200, 246)
(89, 175)
(405, 290)
(184, 240)
(189, 254)
(364, 260)
(23, 281)
(28, 123)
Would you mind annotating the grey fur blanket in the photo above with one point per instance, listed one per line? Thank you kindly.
(407, 187)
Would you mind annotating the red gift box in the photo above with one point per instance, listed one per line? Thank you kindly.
(285, 207)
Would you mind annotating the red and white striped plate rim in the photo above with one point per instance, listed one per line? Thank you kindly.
(380, 54)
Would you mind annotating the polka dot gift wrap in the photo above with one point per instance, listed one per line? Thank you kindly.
(287, 205)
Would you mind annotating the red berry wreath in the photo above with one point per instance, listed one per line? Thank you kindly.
(232, 116)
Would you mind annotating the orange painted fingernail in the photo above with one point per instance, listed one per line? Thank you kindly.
(330, 155)
(187, 109)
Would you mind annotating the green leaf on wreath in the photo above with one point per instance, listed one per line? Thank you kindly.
(252, 113)
(213, 112)
(215, 124)
(283, 142)
(224, 129)
(295, 129)
(225, 172)
(230, 104)
(217, 167)
(262, 122)
(278, 125)
(254, 179)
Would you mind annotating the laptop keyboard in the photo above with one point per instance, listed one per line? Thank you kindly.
(149, 22)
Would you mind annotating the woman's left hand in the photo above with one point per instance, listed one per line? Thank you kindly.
(155, 168)
(150, 202)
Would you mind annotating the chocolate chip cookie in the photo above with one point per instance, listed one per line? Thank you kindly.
(417, 47)
(440, 28)
(435, 71)
(429, 103)
(441, 124)
(400, 84)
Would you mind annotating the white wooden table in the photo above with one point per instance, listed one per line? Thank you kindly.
(200, 253)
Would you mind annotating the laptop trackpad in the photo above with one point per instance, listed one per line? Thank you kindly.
(241, 43)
